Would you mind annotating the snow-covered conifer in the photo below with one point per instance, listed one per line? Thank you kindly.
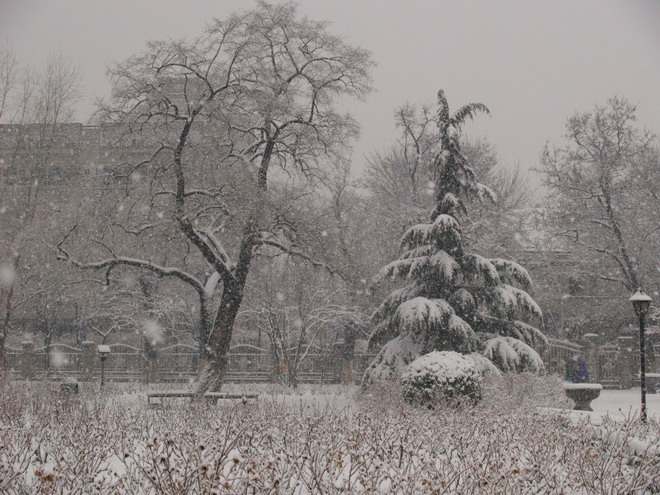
(454, 300)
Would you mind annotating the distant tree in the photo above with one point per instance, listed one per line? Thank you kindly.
(605, 195)
(300, 311)
(456, 301)
(402, 187)
(236, 113)
(34, 104)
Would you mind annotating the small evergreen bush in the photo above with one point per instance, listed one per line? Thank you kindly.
(441, 376)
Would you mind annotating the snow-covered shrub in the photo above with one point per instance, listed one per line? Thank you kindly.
(383, 396)
(441, 376)
(393, 357)
(509, 391)
(110, 443)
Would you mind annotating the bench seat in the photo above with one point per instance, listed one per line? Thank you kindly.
(212, 397)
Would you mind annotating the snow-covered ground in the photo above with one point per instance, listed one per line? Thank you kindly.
(620, 404)
(617, 404)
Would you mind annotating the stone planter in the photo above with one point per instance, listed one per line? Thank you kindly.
(582, 394)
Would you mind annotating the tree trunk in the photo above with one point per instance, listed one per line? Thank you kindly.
(3, 357)
(205, 325)
(8, 307)
(219, 340)
(630, 273)
(47, 356)
(293, 377)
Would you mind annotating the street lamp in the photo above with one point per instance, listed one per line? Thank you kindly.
(641, 303)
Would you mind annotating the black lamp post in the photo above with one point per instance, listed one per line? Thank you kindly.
(641, 303)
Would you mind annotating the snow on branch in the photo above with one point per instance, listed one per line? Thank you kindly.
(516, 301)
(425, 250)
(475, 265)
(440, 267)
(218, 248)
(463, 300)
(528, 334)
(444, 223)
(444, 231)
(420, 314)
(484, 365)
(416, 235)
(510, 271)
(394, 300)
(293, 251)
(504, 299)
(484, 192)
(458, 330)
(393, 357)
(525, 301)
(511, 354)
(111, 263)
(451, 203)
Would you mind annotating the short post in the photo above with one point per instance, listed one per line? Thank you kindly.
(151, 372)
(591, 356)
(27, 360)
(104, 352)
(88, 355)
(347, 371)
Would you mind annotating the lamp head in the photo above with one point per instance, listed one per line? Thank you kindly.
(640, 302)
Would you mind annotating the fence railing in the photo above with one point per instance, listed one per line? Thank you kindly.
(612, 365)
(174, 363)
(557, 352)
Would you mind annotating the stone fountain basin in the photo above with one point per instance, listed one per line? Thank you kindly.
(582, 394)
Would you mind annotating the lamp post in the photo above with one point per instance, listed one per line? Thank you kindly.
(641, 303)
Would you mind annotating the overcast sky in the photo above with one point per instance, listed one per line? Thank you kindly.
(532, 63)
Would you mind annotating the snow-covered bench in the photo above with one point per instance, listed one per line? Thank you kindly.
(155, 398)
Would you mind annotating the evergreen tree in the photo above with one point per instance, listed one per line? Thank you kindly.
(455, 301)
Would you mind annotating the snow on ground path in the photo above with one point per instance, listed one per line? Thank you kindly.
(621, 404)
(618, 405)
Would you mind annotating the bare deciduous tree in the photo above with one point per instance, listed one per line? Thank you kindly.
(294, 307)
(403, 186)
(249, 102)
(606, 200)
(34, 104)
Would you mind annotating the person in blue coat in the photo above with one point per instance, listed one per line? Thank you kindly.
(576, 370)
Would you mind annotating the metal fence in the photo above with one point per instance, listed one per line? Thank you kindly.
(608, 366)
(612, 365)
(174, 363)
(557, 352)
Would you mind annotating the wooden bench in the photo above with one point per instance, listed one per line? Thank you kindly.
(155, 398)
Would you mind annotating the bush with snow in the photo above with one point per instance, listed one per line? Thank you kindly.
(106, 443)
(514, 391)
(441, 376)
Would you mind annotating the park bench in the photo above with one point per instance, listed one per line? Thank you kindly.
(155, 398)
